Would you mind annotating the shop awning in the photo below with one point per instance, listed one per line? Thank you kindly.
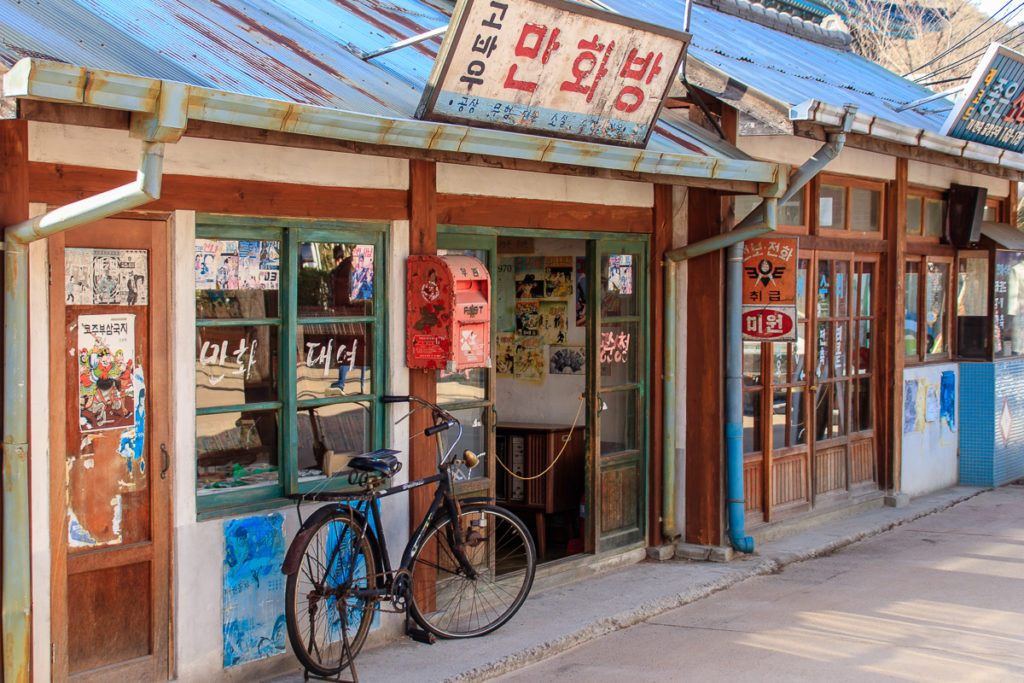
(1004, 235)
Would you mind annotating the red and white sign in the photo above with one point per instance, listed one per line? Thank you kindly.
(554, 68)
(769, 289)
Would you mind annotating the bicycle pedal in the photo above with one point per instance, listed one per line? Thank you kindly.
(421, 636)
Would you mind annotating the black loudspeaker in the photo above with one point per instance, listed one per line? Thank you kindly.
(965, 207)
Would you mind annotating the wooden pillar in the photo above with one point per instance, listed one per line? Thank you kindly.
(889, 393)
(705, 372)
(422, 383)
(661, 241)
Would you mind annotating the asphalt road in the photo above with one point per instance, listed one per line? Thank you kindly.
(938, 599)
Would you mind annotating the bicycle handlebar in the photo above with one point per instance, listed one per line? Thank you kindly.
(443, 420)
(395, 399)
(430, 431)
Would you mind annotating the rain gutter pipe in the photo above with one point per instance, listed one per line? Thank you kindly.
(762, 219)
(166, 125)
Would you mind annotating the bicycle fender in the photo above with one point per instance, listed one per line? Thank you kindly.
(298, 544)
(471, 500)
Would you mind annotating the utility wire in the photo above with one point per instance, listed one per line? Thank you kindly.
(971, 35)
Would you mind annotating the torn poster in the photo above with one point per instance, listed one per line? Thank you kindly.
(117, 277)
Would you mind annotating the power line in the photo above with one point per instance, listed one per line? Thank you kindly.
(976, 32)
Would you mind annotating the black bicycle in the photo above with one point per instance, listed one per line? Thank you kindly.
(466, 570)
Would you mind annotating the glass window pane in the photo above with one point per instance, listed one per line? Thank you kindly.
(236, 365)
(335, 279)
(914, 205)
(842, 282)
(936, 305)
(474, 438)
(839, 409)
(990, 213)
(910, 298)
(619, 280)
(839, 351)
(864, 346)
(780, 362)
(780, 410)
(335, 359)
(863, 404)
(235, 450)
(791, 212)
(865, 209)
(824, 350)
(802, 268)
(1008, 302)
(822, 411)
(462, 386)
(743, 204)
(867, 271)
(832, 207)
(237, 278)
(751, 421)
(619, 353)
(824, 293)
(972, 306)
(751, 363)
(329, 435)
(799, 353)
(619, 421)
(798, 419)
(934, 217)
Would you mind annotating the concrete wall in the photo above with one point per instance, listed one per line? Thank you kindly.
(929, 453)
(795, 151)
(930, 175)
(496, 182)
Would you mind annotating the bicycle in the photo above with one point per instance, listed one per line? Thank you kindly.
(466, 570)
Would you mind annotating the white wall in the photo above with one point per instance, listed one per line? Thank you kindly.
(496, 182)
(930, 175)
(929, 457)
(793, 150)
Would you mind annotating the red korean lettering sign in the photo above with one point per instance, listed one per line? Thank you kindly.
(554, 68)
(770, 289)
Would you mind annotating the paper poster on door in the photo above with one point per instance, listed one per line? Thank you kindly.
(118, 277)
(106, 360)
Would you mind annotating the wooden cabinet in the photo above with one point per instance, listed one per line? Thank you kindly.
(529, 449)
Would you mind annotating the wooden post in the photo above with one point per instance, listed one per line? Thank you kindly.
(890, 315)
(661, 241)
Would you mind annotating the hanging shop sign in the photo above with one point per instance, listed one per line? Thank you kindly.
(554, 68)
(769, 289)
(990, 108)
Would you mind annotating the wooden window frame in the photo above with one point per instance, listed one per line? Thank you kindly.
(848, 183)
(290, 233)
(925, 193)
(922, 356)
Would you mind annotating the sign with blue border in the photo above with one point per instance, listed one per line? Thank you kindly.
(990, 109)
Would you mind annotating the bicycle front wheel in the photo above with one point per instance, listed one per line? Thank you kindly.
(320, 608)
(453, 602)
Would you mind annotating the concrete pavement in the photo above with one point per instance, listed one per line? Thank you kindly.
(555, 620)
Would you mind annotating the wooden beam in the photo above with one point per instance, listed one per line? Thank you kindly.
(890, 354)
(506, 212)
(59, 184)
(661, 241)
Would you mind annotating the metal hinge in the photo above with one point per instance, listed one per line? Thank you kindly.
(53, 653)
(49, 274)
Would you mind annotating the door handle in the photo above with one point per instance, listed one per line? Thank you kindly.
(166, 461)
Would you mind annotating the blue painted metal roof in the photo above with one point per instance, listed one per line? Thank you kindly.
(787, 68)
(301, 51)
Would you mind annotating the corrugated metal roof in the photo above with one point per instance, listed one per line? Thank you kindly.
(302, 51)
(787, 68)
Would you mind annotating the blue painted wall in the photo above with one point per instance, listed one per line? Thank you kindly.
(991, 454)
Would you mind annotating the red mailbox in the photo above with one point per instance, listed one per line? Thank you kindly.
(448, 317)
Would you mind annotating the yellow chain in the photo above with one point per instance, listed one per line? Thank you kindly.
(553, 462)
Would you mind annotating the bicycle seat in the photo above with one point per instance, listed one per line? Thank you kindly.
(382, 461)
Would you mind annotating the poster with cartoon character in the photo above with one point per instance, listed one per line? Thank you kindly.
(361, 281)
(106, 360)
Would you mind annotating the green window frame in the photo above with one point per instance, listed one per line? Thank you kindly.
(306, 313)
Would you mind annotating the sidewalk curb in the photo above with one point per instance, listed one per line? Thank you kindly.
(652, 608)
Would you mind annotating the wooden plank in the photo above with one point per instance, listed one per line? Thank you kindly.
(661, 241)
(704, 373)
(507, 212)
(110, 557)
(60, 184)
(890, 317)
(843, 245)
(916, 247)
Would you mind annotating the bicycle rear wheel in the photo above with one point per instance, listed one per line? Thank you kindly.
(448, 602)
(320, 610)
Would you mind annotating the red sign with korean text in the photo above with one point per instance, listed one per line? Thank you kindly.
(770, 289)
(554, 68)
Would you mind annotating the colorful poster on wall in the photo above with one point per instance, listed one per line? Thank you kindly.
(581, 291)
(527, 318)
(553, 322)
(106, 358)
(947, 399)
(248, 264)
(558, 277)
(505, 354)
(931, 411)
(620, 273)
(270, 264)
(505, 294)
(567, 360)
(362, 272)
(909, 406)
(529, 358)
(205, 266)
(226, 265)
(529, 275)
(252, 601)
(112, 277)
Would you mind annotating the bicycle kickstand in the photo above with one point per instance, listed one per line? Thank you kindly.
(418, 634)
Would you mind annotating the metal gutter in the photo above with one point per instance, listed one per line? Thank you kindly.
(66, 83)
(167, 123)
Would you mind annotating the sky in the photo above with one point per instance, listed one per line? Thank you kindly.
(990, 7)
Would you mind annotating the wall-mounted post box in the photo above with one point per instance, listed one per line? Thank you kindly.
(448, 317)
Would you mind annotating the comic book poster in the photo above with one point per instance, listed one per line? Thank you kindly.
(529, 275)
(620, 273)
(553, 322)
(270, 264)
(106, 357)
(529, 358)
(206, 255)
(226, 265)
(117, 277)
(362, 273)
(78, 277)
(248, 264)
(505, 294)
(558, 277)
(527, 318)
(568, 360)
(581, 291)
(505, 354)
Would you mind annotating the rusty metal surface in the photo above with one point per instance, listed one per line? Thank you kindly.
(299, 51)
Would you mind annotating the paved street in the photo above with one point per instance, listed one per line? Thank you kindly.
(938, 599)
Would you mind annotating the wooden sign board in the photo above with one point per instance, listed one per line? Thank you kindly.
(769, 289)
(990, 109)
(550, 67)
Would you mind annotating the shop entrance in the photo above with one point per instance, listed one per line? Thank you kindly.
(109, 459)
(562, 410)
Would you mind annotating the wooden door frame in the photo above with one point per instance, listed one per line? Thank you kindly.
(103, 234)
